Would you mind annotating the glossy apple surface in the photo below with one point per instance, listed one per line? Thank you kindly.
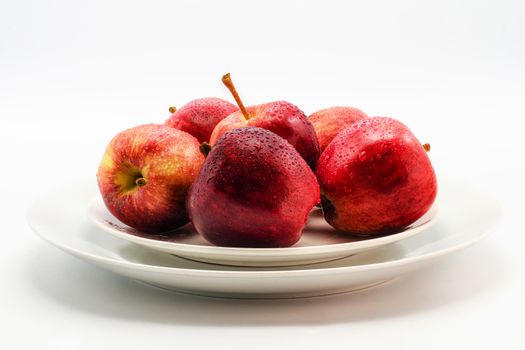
(282, 118)
(199, 117)
(254, 190)
(331, 121)
(376, 178)
(145, 174)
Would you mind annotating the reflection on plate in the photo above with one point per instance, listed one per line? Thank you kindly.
(465, 216)
(320, 242)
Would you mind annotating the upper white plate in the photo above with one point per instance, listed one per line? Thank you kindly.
(465, 215)
(319, 242)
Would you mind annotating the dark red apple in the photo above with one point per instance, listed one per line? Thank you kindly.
(280, 117)
(145, 174)
(331, 121)
(375, 178)
(200, 116)
(254, 190)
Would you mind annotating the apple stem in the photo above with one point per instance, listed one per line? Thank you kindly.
(426, 146)
(227, 81)
(205, 148)
(140, 182)
(172, 109)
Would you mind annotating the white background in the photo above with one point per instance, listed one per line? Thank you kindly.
(74, 73)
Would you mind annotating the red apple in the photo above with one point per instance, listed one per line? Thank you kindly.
(331, 121)
(145, 174)
(254, 190)
(375, 178)
(282, 118)
(200, 116)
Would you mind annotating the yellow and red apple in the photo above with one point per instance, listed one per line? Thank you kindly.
(331, 121)
(145, 174)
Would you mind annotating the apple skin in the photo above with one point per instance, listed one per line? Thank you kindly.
(280, 117)
(167, 159)
(254, 190)
(199, 117)
(331, 121)
(375, 178)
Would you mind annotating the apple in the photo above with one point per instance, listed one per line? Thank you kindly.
(376, 178)
(331, 121)
(199, 117)
(145, 174)
(254, 190)
(280, 117)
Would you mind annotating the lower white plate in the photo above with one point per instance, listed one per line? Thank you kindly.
(465, 216)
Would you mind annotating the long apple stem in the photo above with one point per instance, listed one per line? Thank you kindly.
(172, 109)
(140, 182)
(227, 81)
(426, 146)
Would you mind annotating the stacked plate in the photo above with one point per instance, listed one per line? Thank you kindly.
(75, 220)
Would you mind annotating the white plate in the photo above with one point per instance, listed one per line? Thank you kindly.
(465, 216)
(320, 242)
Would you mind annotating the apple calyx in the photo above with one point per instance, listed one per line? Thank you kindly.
(173, 109)
(140, 182)
(426, 146)
(227, 81)
(205, 148)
